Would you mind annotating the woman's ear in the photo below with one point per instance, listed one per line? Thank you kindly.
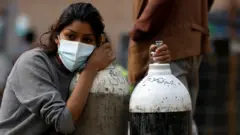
(57, 40)
(103, 39)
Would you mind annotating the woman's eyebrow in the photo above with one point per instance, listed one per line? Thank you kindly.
(72, 31)
(87, 34)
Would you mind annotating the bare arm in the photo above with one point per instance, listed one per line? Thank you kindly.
(79, 96)
(152, 19)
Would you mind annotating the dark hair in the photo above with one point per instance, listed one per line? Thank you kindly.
(84, 12)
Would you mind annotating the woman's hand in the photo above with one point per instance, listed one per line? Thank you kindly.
(160, 54)
(101, 57)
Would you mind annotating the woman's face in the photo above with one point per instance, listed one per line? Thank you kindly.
(78, 31)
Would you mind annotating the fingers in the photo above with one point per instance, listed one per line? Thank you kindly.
(112, 58)
(108, 51)
(162, 53)
(165, 58)
(153, 48)
(161, 49)
(111, 55)
(106, 46)
(102, 56)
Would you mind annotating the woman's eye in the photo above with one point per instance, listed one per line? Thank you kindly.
(71, 37)
(88, 40)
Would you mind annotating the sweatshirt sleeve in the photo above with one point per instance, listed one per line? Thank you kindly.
(4, 71)
(34, 88)
(151, 20)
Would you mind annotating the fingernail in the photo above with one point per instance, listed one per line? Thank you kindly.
(152, 53)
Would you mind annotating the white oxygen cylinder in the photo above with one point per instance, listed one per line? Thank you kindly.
(106, 111)
(160, 104)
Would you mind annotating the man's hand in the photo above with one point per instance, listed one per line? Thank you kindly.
(160, 54)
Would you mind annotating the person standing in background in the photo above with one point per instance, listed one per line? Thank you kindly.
(26, 43)
(183, 26)
(26, 36)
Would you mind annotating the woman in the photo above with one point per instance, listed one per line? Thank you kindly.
(36, 99)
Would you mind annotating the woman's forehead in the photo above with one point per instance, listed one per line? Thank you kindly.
(80, 27)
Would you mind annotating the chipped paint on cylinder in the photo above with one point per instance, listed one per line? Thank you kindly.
(106, 111)
(160, 104)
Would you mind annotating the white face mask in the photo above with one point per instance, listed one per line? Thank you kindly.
(74, 54)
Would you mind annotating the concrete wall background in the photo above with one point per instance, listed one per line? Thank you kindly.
(117, 14)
